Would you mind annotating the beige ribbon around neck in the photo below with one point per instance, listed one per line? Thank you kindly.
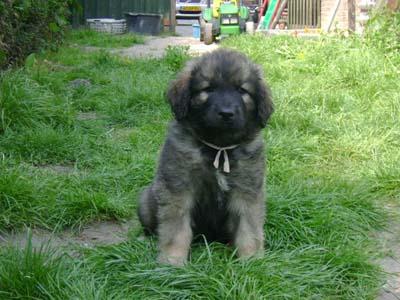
(226, 167)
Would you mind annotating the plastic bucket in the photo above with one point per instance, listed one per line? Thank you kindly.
(196, 31)
(144, 23)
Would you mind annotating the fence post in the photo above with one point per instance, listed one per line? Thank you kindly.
(172, 16)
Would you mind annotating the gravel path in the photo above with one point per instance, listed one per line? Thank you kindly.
(98, 233)
(390, 239)
(155, 47)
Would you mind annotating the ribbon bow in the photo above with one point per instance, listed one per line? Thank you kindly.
(226, 167)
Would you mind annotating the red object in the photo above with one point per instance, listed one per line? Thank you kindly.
(263, 9)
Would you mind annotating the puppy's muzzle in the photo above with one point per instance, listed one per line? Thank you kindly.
(226, 114)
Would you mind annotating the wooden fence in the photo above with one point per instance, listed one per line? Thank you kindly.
(304, 14)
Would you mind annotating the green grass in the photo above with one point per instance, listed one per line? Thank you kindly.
(332, 149)
(32, 273)
(87, 37)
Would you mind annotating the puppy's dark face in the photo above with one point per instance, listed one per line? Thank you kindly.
(221, 113)
(222, 109)
(222, 97)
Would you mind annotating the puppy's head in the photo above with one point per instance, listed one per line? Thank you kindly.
(222, 96)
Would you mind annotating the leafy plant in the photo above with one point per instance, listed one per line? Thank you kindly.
(28, 26)
(176, 57)
(383, 30)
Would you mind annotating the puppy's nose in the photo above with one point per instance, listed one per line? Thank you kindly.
(226, 114)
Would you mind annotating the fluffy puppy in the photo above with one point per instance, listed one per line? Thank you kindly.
(210, 177)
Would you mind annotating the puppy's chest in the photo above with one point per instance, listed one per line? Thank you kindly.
(222, 181)
(212, 175)
(213, 191)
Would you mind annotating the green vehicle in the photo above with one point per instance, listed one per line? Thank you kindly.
(224, 18)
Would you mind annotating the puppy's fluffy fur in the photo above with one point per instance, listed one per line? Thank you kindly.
(219, 99)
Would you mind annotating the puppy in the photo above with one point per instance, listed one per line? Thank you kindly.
(210, 177)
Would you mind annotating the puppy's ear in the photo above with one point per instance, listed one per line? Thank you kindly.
(265, 106)
(178, 95)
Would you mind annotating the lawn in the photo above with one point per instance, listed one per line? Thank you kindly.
(73, 152)
(87, 37)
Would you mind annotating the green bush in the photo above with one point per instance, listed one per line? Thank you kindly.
(176, 57)
(383, 30)
(27, 26)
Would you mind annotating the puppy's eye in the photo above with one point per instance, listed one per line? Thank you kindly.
(209, 89)
(201, 98)
(246, 88)
(248, 101)
(243, 91)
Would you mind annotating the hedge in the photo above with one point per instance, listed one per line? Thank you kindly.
(27, 26)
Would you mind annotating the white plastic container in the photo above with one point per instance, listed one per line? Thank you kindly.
(111, 26)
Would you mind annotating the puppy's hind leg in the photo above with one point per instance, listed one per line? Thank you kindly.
(147, 211)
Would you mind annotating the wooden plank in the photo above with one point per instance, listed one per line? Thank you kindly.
(315, 21)
(303, 13)
(293, 13)
(172, 16)
(351, 14)
(307, 13)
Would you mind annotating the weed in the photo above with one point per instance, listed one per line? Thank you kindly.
(31, 273)
(382, 30)
(176, 57)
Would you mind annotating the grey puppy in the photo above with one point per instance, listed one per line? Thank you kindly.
(210, 177)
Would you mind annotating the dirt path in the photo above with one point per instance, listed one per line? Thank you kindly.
(390, 240)
(98, 233)
(155, 47)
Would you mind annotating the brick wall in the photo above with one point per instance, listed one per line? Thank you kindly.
(343, 19)
(349, 15)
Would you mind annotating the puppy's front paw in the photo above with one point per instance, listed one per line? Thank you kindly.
(251, 255)
(252, 250)
(177, 261)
